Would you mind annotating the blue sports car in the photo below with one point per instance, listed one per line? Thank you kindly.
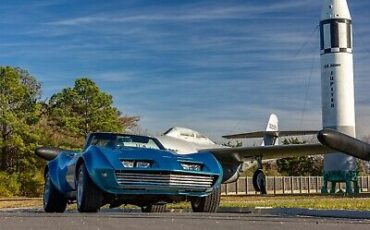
(118, 169)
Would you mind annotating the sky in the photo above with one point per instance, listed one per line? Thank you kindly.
(215, 66)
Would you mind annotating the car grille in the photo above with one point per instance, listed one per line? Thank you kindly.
(168, 180)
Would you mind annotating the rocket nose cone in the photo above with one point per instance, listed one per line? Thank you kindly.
(335, 9)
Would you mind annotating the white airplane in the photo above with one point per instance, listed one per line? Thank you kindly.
(236, 160)
(184, 140)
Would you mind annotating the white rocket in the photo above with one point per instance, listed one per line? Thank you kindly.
(337, 86)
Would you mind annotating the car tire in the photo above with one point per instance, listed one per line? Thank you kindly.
(53, 200)
(209, 203)
(153, 208)
(89, 196)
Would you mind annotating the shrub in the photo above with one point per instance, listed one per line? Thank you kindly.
(9, 185)
(31, 184)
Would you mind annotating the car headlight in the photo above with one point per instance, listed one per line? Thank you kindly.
(142, 164)
(128, 164)
(191, 167)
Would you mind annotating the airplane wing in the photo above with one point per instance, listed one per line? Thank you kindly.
(271, 133)
(237, 155)
(331, 141)
(231, 159)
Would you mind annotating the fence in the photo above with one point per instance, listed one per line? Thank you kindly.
(287, 185)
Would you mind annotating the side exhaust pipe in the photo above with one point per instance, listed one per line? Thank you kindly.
(48, 153)
(344, 143)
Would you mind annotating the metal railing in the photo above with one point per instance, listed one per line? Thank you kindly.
(287, 185)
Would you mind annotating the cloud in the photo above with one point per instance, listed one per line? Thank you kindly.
(191, 12)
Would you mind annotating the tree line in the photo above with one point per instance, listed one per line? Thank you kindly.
(27, 121)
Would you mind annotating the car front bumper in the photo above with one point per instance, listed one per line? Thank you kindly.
(155, 182)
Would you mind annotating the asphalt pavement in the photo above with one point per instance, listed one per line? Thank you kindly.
(36, 219)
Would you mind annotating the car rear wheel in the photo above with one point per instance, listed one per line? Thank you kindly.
(89, 196)
(153, 208)
(209, 203)
(53, 200)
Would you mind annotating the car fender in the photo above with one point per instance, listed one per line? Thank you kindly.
(95, 161)
(57, 171)
(211, 162)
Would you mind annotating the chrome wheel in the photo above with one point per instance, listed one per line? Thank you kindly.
(80, 185)
(89, 197)
(46, 196)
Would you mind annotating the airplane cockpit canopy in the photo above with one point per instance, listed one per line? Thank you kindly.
(188, 134)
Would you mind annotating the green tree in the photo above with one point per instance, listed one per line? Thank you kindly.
(19, 134)
(26, 122)
(83, 109)
(19, 113)
(300, 166)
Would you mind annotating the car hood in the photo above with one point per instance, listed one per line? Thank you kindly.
(160, 159)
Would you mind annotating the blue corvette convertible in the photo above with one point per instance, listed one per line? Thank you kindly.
(118, 169)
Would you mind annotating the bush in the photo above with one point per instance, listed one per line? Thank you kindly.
(31, 184)
(9, 185)
(21, 184)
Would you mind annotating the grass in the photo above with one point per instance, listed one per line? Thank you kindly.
(361, 202)
(20, 203)
(309, 201)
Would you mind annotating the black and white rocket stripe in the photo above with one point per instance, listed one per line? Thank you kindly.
(336, 36)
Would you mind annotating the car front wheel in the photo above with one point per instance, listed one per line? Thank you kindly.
(89, 196)
(209, 203)
(53, 200)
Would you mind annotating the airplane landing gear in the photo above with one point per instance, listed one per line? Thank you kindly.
(259, 181)
(259, 178)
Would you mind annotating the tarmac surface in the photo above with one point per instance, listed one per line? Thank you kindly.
(113, 219)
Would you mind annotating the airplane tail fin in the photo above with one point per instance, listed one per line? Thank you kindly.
(272, 126)
(272, 133)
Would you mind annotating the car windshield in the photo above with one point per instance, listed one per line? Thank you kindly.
(111, 140)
